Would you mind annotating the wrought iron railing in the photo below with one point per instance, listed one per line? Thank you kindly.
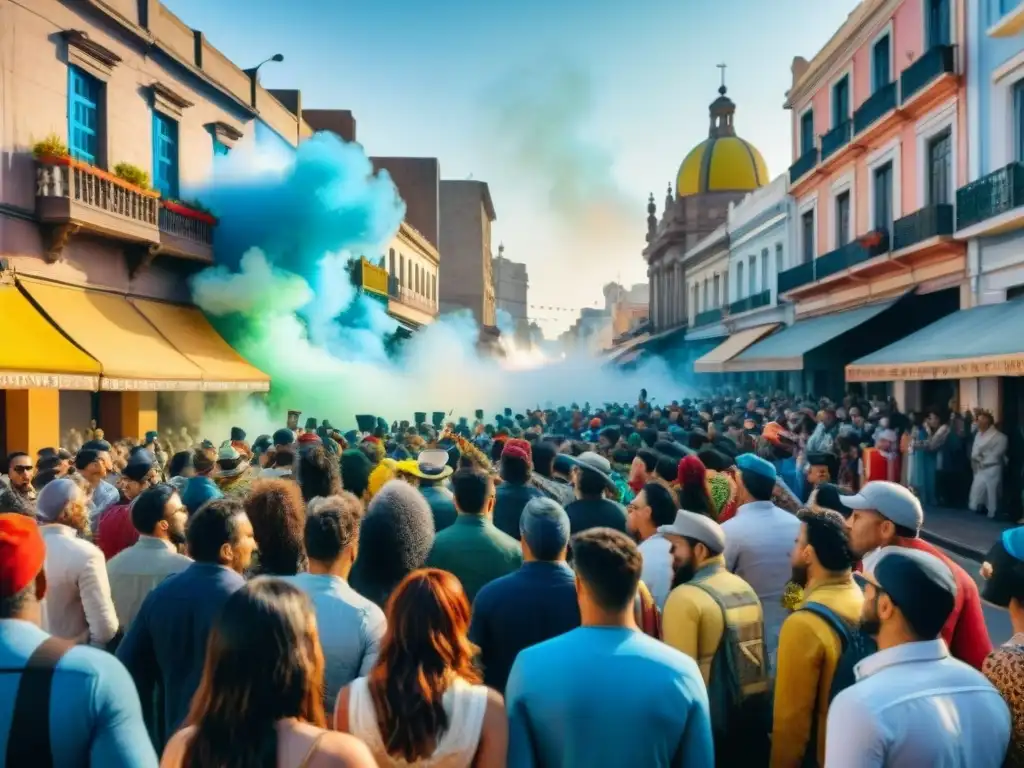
(931, 65)
(803, 165)
(853, 253)
(795, 277)
(188, 227)
(707, 317)
(875, 107)
(754, 301)
(836, 139)
(989, 196)
(924, 224)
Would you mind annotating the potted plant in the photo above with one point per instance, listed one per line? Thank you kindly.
(190, 209)
(52, 150)
(132, 174)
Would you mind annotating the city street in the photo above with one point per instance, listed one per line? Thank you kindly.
(997, 619)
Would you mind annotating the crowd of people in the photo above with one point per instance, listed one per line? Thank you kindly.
(715, 582)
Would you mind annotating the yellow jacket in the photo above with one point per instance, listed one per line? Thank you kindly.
(808, 652)
(692, 621)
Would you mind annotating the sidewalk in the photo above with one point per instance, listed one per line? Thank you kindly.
(962, 531)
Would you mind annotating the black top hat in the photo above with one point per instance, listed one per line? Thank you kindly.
(310, 424)
(479, 414)
(326, 424)
(437, 418)
(420, 417)
(237, 434)
(365, 422)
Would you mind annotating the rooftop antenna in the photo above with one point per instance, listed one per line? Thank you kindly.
(723, 68)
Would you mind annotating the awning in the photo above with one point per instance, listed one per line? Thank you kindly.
(35, 354)
(785, 350)
(131, 352)
(617, 354)
(715, 361)
(983, 341)
(188, 331)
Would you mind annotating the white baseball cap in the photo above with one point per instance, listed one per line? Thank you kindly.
(892, 501)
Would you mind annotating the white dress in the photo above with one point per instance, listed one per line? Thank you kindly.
(465, 705)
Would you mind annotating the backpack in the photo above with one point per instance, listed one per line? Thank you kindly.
(739, 695)
(855, 645)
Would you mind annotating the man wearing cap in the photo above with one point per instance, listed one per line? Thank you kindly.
(825, 434)
(530, 605)
(759, 541)
(114, 529)
(888, 515)
(234, 475)
(913, 704)
(93, 464)
(515, 489)
(428, 472)
(472, 548)
(810, 645)
(90, 696)
(592, 478)
(705, 601)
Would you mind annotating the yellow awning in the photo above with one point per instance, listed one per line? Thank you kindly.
(131, 352)
(35, 354)
(190, 333)
(715, 360)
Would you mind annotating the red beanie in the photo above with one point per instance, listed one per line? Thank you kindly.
(691, 471)
(519, 449)
(22, 553)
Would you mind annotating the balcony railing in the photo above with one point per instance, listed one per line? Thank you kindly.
(853, 253)
(875, 107)
(924, 224)
(185, 235)
(410, 298)
(836, 139)
(794, 277)
(803, 165)
(932, 65)
(707, 317)
(72, 195)
(989, 196)
(754, 301)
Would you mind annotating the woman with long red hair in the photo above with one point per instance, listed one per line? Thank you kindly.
(260, 703)
(422, 703)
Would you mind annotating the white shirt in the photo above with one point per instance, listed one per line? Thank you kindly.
(657, 567)
(77, 606)
(134, 572)
(758, 543)
(916, 706)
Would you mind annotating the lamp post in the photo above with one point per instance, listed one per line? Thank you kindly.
(254, 71)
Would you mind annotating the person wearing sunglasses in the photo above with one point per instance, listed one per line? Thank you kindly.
(20, 471)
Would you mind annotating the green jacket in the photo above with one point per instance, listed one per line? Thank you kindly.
(475, 551)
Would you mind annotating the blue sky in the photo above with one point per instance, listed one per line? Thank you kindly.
(573, 112)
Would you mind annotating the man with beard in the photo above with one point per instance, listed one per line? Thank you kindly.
(913, 704)
(810, 644)
(715, 617)
(159, 516)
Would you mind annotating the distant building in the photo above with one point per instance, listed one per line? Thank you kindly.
(511, 292)
(466, 279)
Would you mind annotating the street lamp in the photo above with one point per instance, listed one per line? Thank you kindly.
(277, 57)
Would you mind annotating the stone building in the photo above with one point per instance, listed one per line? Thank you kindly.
(511, 293)
(466, 279)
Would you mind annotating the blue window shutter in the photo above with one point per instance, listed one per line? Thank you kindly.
(220, 148)
(83, 116)
(165, 155)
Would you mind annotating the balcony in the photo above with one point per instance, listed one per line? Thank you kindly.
(836, 139)
(992, 204)
(371, 279)
(707, 317)
(411, 298)
(850, 255)
(797, 276)
(804, 165)
(875, 108)
(922, 226)
(186, 232)
(935, 67)
(754, 301)
(73, 196)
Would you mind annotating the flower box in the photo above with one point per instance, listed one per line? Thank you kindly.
(190, 213)
(70, 162)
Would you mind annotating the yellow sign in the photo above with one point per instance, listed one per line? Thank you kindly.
(375, 279)
(967, 368)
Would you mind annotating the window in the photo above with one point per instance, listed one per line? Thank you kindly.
(391, 262)
(752, 276)
(807, 237)
(806, 131)
(707, 297)
(696, 299)
(764, 270)
(883, 197)
(842, 219)
(84, 93)
(718, 291)
(880, 64)
(433, 288)
(841, 101)
(779, 258)
(1018, 121)
(940, 168)
(937, 20)
(739, 280)
(401, 267)
(165, 155)
(220, 148)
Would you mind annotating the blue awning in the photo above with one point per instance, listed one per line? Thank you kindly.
(785, 350)
(983, 341)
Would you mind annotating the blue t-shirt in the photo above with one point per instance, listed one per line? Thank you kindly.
(606, 696)
(95, 716)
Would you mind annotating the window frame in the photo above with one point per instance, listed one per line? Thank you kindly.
(940, 120)
(889, 153)
(847, 77)
(806, 115)
(96, 158)
(886, 33)
(173, 185)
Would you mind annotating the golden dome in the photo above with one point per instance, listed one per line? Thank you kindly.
(723, 162)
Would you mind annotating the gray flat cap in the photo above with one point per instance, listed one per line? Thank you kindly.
(698, 527)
